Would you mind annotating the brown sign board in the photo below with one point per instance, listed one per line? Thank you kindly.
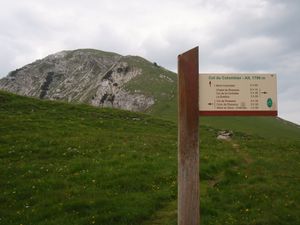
(234, 94)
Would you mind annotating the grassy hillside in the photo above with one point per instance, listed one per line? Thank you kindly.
(75, 164)
(268, 127)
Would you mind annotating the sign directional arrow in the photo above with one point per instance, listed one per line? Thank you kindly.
(264, 92)
(210, 103)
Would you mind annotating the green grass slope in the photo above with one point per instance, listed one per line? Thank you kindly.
(75, 164)
(268, 127)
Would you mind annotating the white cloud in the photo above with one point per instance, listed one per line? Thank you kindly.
(289, 109)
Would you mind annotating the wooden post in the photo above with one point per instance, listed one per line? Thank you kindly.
(188, 134)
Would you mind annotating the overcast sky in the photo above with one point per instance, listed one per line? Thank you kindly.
(233, 35)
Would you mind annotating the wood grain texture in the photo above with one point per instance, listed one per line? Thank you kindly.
(188, 135)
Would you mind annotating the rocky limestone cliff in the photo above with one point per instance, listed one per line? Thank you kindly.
(86, 75)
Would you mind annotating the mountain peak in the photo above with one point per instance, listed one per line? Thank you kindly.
(99, 78)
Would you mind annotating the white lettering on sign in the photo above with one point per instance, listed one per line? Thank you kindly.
(237, 92)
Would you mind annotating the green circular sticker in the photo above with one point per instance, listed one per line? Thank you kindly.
(269, 102)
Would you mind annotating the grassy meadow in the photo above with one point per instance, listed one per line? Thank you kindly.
(76, 164)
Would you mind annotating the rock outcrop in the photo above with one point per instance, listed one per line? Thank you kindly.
(87, 75)
(224, 135)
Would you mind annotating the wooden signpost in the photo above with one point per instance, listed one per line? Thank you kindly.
(188, 145)
(223, 94)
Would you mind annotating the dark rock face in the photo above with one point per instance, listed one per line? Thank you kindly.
(87, 75)
(46, 84)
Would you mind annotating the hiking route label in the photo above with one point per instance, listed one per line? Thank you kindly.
(237, 94)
